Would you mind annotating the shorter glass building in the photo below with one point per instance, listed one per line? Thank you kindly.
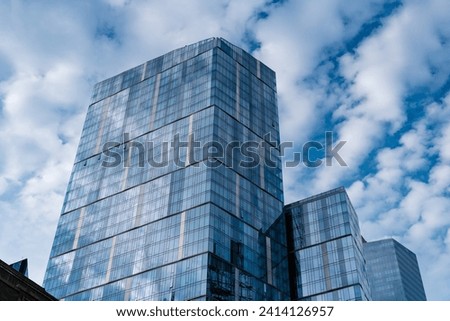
(201, 219)
(393, 272)
(325, 249)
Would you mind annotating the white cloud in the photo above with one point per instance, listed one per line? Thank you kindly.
(296, 51)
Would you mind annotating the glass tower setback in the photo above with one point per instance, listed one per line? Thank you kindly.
(325, 249)
(176, 189)
(393, 272)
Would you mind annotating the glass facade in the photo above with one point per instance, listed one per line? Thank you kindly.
(176, 194)
(152, 210)
(325, 249)
(393, 272)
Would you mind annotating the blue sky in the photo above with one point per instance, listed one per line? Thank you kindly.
(376, 73)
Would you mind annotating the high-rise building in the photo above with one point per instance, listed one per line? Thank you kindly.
(393, 272)
(176, 194)
(176, 185)
(21, 266)
(325, 249)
